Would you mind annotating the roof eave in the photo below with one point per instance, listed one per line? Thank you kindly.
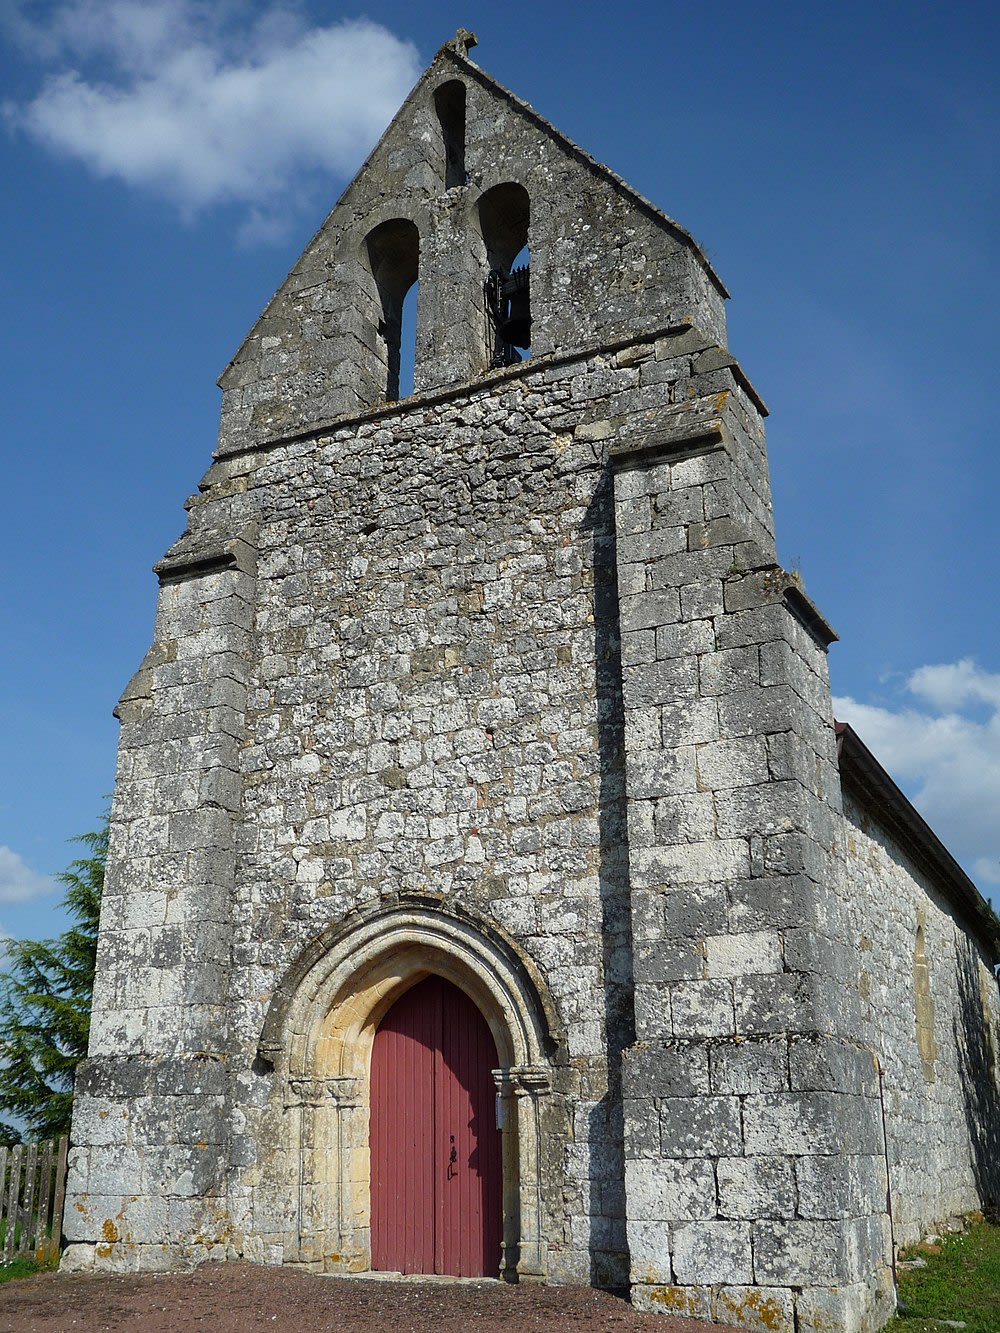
(861, 772)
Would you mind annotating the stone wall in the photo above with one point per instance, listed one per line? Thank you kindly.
(929, 1007)
(432, 709)
(428, 706)
(437, 712)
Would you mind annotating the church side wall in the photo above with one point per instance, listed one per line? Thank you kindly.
(930, 1010)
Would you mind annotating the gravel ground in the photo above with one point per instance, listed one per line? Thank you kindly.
(238, 1298)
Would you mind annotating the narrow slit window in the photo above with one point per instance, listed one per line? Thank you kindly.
(924, 1003)
(517, 310)
(449, 102)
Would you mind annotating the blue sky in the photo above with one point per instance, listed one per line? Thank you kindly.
(164, 163)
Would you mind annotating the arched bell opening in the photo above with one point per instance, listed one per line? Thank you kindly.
(504, 217)
(392, 252)
(321, 1034)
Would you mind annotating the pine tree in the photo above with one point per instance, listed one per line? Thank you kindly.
(46, 987)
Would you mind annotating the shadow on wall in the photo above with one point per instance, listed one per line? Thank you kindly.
(976, 1041)
(609, 1260)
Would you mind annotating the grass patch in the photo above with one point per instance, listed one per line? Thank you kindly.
(23, 1265)
(21, 1268)
(961, 1284)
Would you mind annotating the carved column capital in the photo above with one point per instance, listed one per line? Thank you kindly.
(308, 1091)
(523, 1080)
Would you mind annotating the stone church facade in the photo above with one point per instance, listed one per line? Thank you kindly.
(501, 683)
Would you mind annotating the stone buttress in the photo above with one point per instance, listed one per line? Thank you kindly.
(753, 1136)
(501, 681)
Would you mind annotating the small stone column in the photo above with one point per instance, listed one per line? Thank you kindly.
(519, 1089)
(331, 1133)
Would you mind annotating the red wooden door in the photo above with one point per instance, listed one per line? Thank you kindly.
(436, 1202)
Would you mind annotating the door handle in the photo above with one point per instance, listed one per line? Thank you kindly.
(452, 1158)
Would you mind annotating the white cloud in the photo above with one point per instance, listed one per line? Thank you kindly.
(208, 104)
(946, 752)
(955, 684)
(18, 882)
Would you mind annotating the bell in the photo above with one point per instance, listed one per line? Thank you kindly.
(515, 326)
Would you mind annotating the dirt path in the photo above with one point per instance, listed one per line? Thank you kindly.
(238, 1298)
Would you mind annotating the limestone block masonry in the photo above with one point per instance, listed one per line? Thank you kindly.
(500, 681)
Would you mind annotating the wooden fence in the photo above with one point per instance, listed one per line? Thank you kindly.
(32, 1193)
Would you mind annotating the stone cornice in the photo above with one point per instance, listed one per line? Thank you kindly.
(688, 338)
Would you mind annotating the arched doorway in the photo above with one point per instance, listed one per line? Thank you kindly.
(318, 1038)
(436, 1173)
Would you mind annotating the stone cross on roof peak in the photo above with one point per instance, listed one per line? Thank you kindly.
(463, 41)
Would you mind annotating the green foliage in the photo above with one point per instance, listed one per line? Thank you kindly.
(46, 988)
(961, 1284)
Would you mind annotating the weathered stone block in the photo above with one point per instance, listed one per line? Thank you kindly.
(678, 506)
(667, 682)
(669, 1191)
(661, 773)
(728, 670)
(656, 545)
(803, 1254)
(689, 722)
(727, 764)
(712, 1252)
(694, 910)
(743, 955)
(807, 1123)
(770, 809)
(702, 601)
(638, 647)
(772, 902)
(685, 818)
(669, 960)
(757, 711)
(759, 1309)
(652, 1008)
(662, 1069)
(641, 1128)
(691, 863)
(702, 1008)
(828, 1063)
(846, 1306)
(749, 1064)
(687, 639)
(835, 1187)
(782, 1002)
(649, 1252)
(752, 1187)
